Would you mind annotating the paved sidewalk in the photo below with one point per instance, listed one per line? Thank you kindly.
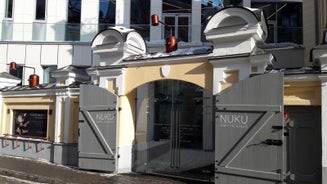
(16, 170)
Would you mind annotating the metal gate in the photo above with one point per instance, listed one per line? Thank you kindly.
(97, 129)
(249, 132)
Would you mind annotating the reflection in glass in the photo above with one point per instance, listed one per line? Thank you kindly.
(284, 20)
(107, 13)
(140, 17)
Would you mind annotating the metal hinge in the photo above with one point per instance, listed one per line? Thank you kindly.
(290, 177)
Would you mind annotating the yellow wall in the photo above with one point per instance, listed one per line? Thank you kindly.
(302, 93)
(126, 119)
(28, 103)
(199, 73)
(74, 117)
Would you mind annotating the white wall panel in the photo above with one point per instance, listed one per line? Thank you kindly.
(3, 58)
(82, 55)
(65, 55)
(33, 55)
(49, 54)
(16, 53)
(2, 10)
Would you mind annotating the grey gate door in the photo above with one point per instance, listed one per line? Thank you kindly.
(249, 132)
(97, 129)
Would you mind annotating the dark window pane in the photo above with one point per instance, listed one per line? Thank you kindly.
(183, 29)
(18, 72)
(107, 13)
(285, 21)
(140, 17)
(9, 5)
(169, 30)
(74, 19)
(40, 10)
(289, 34)
(74, 11)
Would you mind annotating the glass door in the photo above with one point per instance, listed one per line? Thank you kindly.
(175, 132)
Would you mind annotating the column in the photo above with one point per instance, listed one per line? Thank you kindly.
(196, 22)
(123, 13)
(155, 31)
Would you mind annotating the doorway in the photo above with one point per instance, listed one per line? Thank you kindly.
(173, 137)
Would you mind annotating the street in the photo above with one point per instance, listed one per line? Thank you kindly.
(17, 170)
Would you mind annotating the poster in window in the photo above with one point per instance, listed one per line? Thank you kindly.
(30, 123)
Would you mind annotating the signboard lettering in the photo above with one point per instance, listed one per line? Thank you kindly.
(234, 120)
(105, 117)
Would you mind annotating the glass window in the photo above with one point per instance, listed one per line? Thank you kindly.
(177, 14)
(284, 21)
(9, 9)
(107, 13)
(47, 74)
(40, 9)
(140, 17)
(209, 7)
(30, 123)
(74, 20)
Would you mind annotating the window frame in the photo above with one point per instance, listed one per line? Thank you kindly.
(176, 16)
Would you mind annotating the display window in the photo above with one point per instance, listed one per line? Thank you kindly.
(30, 123)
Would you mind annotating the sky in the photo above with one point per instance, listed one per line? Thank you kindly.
(215, 2)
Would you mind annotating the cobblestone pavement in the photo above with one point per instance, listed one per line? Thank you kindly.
(14, 170)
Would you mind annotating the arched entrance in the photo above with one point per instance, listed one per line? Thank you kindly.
(174, 130)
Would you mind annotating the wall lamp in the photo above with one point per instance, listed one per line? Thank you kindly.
(171, 41)
(33, 79)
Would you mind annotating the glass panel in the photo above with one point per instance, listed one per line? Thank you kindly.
(39, 31)
(140, 17)
(285, 21)
(9, 5)
(74, 19)
(183, 29)
(289, 24)
(170, 131)
(107, 13)
(170, 21)
(176, 6)
(47, 74)
(40, 10)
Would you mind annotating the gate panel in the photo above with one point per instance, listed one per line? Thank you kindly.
(249, 132)
(97, 129)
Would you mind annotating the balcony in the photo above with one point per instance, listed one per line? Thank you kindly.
(45, 32)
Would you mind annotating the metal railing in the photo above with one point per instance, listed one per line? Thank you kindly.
(26, 138)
